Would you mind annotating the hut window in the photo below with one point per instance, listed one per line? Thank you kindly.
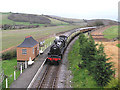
(33, 50)
(24, 51)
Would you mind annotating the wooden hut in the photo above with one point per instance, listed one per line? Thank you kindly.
(28, 48)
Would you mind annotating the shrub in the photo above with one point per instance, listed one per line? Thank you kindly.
(98, 23)
(9, 55)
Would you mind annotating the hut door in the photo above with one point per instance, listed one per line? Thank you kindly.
(36, 51)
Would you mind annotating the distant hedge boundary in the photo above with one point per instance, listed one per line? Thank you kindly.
(9, 55)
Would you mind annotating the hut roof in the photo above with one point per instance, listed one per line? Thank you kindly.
(28, 42)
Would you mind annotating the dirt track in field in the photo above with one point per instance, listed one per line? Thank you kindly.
(110, 47)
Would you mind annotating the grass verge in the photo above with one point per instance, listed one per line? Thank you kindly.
(111, 32)
(81, 77)
(8, 67)
(118, 45)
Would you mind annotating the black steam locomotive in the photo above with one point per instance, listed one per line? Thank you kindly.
(57, 49)
(60, 43)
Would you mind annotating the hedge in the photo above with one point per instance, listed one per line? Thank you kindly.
(9, 55)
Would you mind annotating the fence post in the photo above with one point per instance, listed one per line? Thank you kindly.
(42, 48)
(14, 75)
(6, 83)
(21, 69)
(25, 64)
(45, 46)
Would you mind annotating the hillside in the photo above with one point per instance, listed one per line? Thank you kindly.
(19, 17)
(5, 20)
(21, 21)
(104, 21)
(28, 19)
(83, 22)
(68, 20)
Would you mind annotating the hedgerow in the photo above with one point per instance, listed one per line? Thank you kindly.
(9, 55)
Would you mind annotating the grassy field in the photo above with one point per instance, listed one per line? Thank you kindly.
(111, 32)
(69, 19)
(12, 38)
(57, 22)
(47, 41)
(8, 67)
(81, 79)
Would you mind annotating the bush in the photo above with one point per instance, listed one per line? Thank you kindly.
(9, 55)
(98, 23)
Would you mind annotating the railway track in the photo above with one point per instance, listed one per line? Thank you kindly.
(49, 78)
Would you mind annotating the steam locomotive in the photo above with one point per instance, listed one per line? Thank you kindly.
(60, 44)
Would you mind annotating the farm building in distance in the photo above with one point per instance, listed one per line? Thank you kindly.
(28, 48)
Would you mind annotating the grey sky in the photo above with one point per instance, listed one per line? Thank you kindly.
(82, 9)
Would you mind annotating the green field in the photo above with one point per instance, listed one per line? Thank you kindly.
(111, 32)
(15, 37)
(8, 67)
(5, 20)
(57, 22)
(81, 78)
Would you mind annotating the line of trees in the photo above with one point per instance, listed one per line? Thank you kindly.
(95, 60)
(7, 26)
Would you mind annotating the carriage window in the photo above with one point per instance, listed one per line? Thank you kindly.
(24, 51)
(33, 50)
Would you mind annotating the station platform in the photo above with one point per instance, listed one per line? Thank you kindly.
(25, 78)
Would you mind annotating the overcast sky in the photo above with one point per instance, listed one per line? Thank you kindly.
(82, 9)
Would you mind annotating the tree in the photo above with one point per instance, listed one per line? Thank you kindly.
(87, 50)
(95, 60)
(102, 67)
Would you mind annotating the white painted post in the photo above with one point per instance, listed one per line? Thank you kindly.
(45, 46)
(39, 52)
(50, 43)
(6, 83)
(25, 64)
(42, 48)
(14, 75)
(21, 69)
